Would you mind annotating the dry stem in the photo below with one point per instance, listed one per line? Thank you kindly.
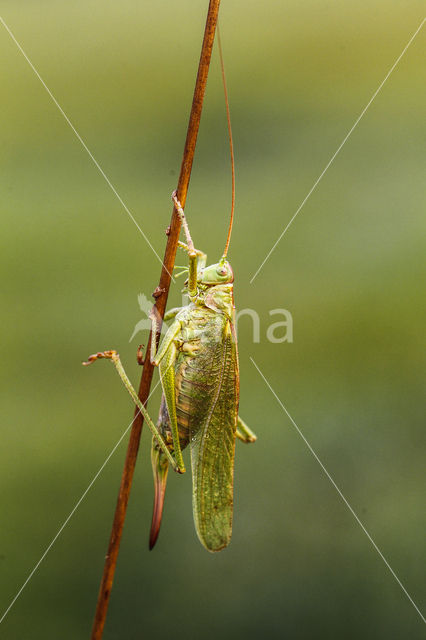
(160, 304)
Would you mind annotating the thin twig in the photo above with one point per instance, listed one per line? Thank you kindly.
(160, 304)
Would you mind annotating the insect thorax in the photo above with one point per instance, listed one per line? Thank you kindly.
(219, 298)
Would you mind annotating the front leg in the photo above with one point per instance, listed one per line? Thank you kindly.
(192, 252)
(202, 257)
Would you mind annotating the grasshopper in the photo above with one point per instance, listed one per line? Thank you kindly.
(199, 374)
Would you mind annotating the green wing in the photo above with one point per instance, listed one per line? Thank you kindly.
(213, 443)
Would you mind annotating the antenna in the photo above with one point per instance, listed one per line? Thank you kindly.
(231, 144)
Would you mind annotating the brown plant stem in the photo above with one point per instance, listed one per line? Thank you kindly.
(160, 303)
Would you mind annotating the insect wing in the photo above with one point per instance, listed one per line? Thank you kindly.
(213, 449)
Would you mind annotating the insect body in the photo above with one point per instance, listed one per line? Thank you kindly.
(198, 364)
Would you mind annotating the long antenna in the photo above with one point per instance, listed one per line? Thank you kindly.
(160, 305)
(231, 144)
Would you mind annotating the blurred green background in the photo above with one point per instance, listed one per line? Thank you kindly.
(349, 270)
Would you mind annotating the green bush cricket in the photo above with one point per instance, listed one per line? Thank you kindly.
(199, 374)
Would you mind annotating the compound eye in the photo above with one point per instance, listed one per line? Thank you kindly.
(222, 271)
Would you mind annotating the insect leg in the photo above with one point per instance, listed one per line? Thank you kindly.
(244, 433)
(171, 334)
(192, 252)
(115, 358)
(165, 359)
(202, 257)
(167, 375)
(172, 313)
(154, 330)
(179, 209)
